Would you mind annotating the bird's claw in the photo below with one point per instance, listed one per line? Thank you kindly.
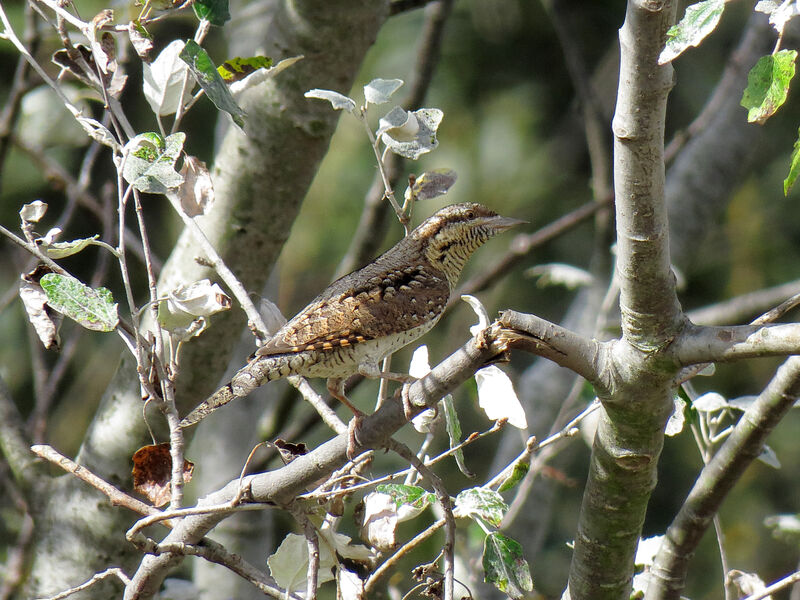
(409, 407)
(353, 443)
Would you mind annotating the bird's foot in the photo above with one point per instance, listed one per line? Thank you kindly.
(409, 407)
(353, 443)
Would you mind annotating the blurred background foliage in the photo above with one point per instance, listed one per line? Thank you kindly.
(512, 131)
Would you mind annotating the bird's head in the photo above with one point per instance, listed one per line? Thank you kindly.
(452, 234)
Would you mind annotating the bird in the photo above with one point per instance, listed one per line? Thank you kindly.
(370, 313)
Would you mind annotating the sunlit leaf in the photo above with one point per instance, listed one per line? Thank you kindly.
(677, 418)
(768, 85)
(58, 250)
(196, 194)
(33, 211)
(337, 100)
(410, 133)
(92, 308)
(46, 322)
(164, 79)
(379, 91)
(453, 426)
(482, 503)
(497, 398)
(289, 564)
(431, 184)
(780, 13)
(518, 473)
(410, 495)
(150, 162)
(236, 69)
(699, 21)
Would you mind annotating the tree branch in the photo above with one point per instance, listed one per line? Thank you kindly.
(668, 573)
(637, 400)
(717, 344)
(554, 342)
(283, 485)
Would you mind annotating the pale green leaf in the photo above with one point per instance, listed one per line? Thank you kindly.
(58, 250)
(93, 309)
(698, 22)
(406, 494)
(150, 162)
(453, 426)
(481, 503)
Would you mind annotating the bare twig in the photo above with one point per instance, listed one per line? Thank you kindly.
(324, 410)
(218, 554)
(447, 507)
(96, 578)
(234, 285)
(775, 587)
(390, 564)
(372, 224)
(115, 495)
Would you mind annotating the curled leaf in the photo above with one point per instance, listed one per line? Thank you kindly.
(410, 133)
(337, 100)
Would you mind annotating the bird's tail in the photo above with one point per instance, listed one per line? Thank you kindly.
(256, 373)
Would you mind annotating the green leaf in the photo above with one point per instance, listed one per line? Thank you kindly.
(150, 162)
(214, 11)
(236, 69)
(698, 22)
(505, 567)
(58, 250)
(481, 503)
(406, 494)
(202, 67)
(93, 309)
(794, 167)
(518, 472)
(768, 85)
(453, 426)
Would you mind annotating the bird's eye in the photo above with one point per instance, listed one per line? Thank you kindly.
(470, 214)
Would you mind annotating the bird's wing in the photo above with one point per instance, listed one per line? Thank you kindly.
(345, 314)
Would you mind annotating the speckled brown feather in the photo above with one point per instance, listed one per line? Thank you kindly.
(371, 312)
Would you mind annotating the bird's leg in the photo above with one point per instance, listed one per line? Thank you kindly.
(336, 389)
(372, 370)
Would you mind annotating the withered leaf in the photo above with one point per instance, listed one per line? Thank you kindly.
(290, 451)
(152, 469)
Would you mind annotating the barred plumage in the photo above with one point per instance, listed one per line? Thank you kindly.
(366, 315)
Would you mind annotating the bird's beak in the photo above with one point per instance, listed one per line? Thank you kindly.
(500, 223)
